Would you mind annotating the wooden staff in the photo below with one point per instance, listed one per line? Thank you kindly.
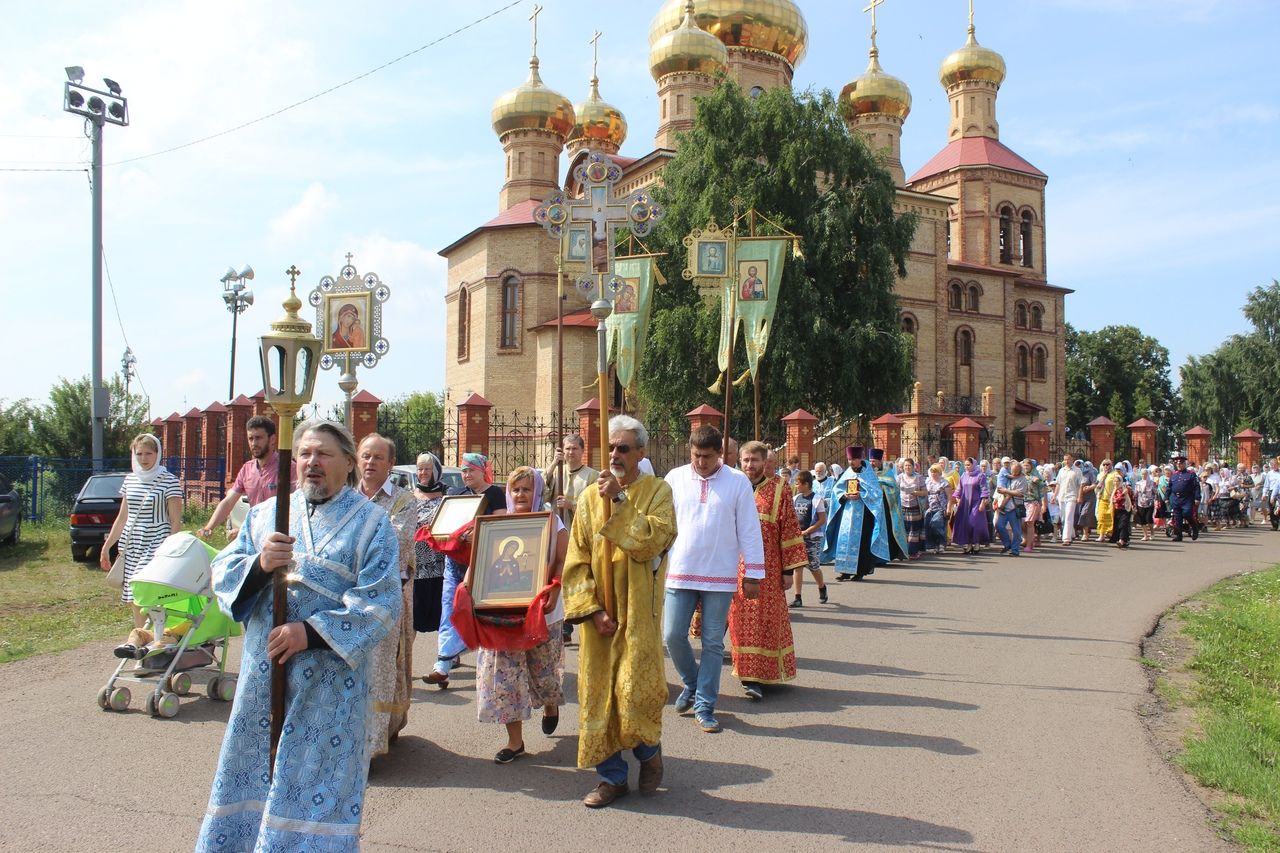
(279, 583)
(602, 391)
(559, 489)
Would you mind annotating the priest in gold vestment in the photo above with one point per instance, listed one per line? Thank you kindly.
(622, 685)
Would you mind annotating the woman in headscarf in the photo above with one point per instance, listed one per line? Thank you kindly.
(150, 512)
(1107, 479)
(1087, 511)
(1145, 500)
(509, 684)
(477, 479)
(973, 501)
(938, 490)
(428, 578)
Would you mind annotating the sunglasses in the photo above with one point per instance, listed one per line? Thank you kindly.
(620, 448)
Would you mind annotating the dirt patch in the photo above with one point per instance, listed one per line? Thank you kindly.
(1170, 720)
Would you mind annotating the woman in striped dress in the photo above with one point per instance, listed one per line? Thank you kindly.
(151, 510)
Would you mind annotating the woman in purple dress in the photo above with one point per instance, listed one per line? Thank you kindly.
(974, 498)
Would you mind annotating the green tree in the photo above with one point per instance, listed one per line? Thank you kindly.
(1118, 360)
(15, 428)
(836, 345)
(1234, 386)
(63, 427)
(414, 422)
(1116, 412)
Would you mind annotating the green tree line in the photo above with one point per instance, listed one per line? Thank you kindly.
(62, 425)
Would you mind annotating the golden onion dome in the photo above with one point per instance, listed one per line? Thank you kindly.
(598, 121)
(876, 92)
(773, 26)
(972, 62)
(532, 106)
(687, 48)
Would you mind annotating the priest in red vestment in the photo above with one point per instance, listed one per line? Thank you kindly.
(760, 628)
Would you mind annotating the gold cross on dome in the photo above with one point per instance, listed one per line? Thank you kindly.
(293, 272)
(537, 10)
(595, 51)
(871, 7)
(349, 257)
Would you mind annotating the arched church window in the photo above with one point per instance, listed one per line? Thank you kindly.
(972, 303)
(1006, 235)
(464, 322)
(964, 347)
(1020, 315)
(909, 324)
(1037, 316)
(1040, 363)
(511, 292)
(1024, 237)
(955, 298)
(756, 92)
(1023, 360)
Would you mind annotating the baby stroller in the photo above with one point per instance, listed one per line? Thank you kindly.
(192, 632)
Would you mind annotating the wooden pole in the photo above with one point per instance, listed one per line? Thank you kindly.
(602, 393)
(279, 582)
(559, 489)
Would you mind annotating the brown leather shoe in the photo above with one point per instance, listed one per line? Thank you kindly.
(604, 794)
(651, 773)
(433, 677)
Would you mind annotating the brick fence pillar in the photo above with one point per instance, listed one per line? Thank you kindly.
(1102, 439)
(1248, 447)
(1036, 437)
(705, 415)
(261, 407)
(172, 438)
(886, 431)
(589, 429)
(967, 436)
(799, 426)
(364, 416)
(1142, 441)
(1197, 444)
(473, 425)
(239, 411)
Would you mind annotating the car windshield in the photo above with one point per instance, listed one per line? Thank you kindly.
(103, 486)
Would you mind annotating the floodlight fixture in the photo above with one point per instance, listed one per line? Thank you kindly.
(75, 73)
(112, 86)
(75, 100)
(97, 105)
(116, 110)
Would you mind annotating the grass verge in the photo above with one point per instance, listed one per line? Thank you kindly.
(49, 602)
(1236, 665)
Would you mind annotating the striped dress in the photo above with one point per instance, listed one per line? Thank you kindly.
(147, 524)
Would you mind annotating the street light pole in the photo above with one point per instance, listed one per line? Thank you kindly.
(238, 298)
(99, 108)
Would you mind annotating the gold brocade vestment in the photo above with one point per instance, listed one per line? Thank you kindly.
(622, 684)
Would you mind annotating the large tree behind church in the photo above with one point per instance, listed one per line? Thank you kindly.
(836, 348)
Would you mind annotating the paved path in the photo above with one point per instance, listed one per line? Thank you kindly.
(959, 704)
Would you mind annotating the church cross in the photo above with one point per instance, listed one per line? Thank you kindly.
(970, 15)
(349, 256)
(872, 9)
(293, 272)
(537, 10)
(595, 52)
(599, 209)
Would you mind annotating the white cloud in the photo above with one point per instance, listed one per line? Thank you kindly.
(307, 214)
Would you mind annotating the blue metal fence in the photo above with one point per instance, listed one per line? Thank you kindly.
(48, 486)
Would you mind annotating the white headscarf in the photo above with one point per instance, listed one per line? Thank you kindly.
(146, 475)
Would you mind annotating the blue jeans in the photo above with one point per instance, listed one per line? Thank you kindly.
(451, 644)
(700, 678)
(1009, 526)
(614, 768)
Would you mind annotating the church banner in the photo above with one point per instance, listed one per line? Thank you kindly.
(754, 286)
(628, 325)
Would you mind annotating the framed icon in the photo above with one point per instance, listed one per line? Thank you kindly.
(712, 255)
(510, 559)
(348, 322)
(752, 278)
(578, 244)
(454, 512)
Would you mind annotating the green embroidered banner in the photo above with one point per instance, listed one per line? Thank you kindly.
(754, 285)
(628, 325)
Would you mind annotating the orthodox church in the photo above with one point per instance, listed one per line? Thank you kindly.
(988, 326)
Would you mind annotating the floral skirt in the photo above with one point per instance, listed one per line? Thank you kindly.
(509, 685)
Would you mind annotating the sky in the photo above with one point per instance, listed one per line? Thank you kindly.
(1157, 123)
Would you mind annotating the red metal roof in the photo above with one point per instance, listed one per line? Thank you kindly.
(1036, 427)
(799, 415)
(580, 318)
(1197, 430)
(1143, 423)
(974, 151)
(514, 216)
(1247, 433)
(365, 397)
(704, 409)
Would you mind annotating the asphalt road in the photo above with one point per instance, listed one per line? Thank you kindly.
(958, 703)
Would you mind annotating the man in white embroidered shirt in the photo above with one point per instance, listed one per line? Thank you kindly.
(718, 528)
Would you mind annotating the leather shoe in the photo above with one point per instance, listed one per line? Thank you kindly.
(651, 773)
(433, 677)
(604, 794)
(549, 723)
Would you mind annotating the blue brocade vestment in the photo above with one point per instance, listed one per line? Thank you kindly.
(845, 524)
(345, 583)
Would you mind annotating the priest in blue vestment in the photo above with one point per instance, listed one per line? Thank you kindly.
(857, 529)
(343, 598)
(892, 505)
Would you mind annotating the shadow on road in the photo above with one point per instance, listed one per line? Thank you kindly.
(855, 736)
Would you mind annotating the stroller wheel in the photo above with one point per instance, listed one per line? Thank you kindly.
(168, 705)
(119, 698)
(222, 688)
(180, 683)
(104, 698)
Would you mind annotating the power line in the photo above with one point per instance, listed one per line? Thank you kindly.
(137, 374)
(330, 90)
(42, 170)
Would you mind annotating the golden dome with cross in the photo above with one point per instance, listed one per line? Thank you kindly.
(771, 26)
